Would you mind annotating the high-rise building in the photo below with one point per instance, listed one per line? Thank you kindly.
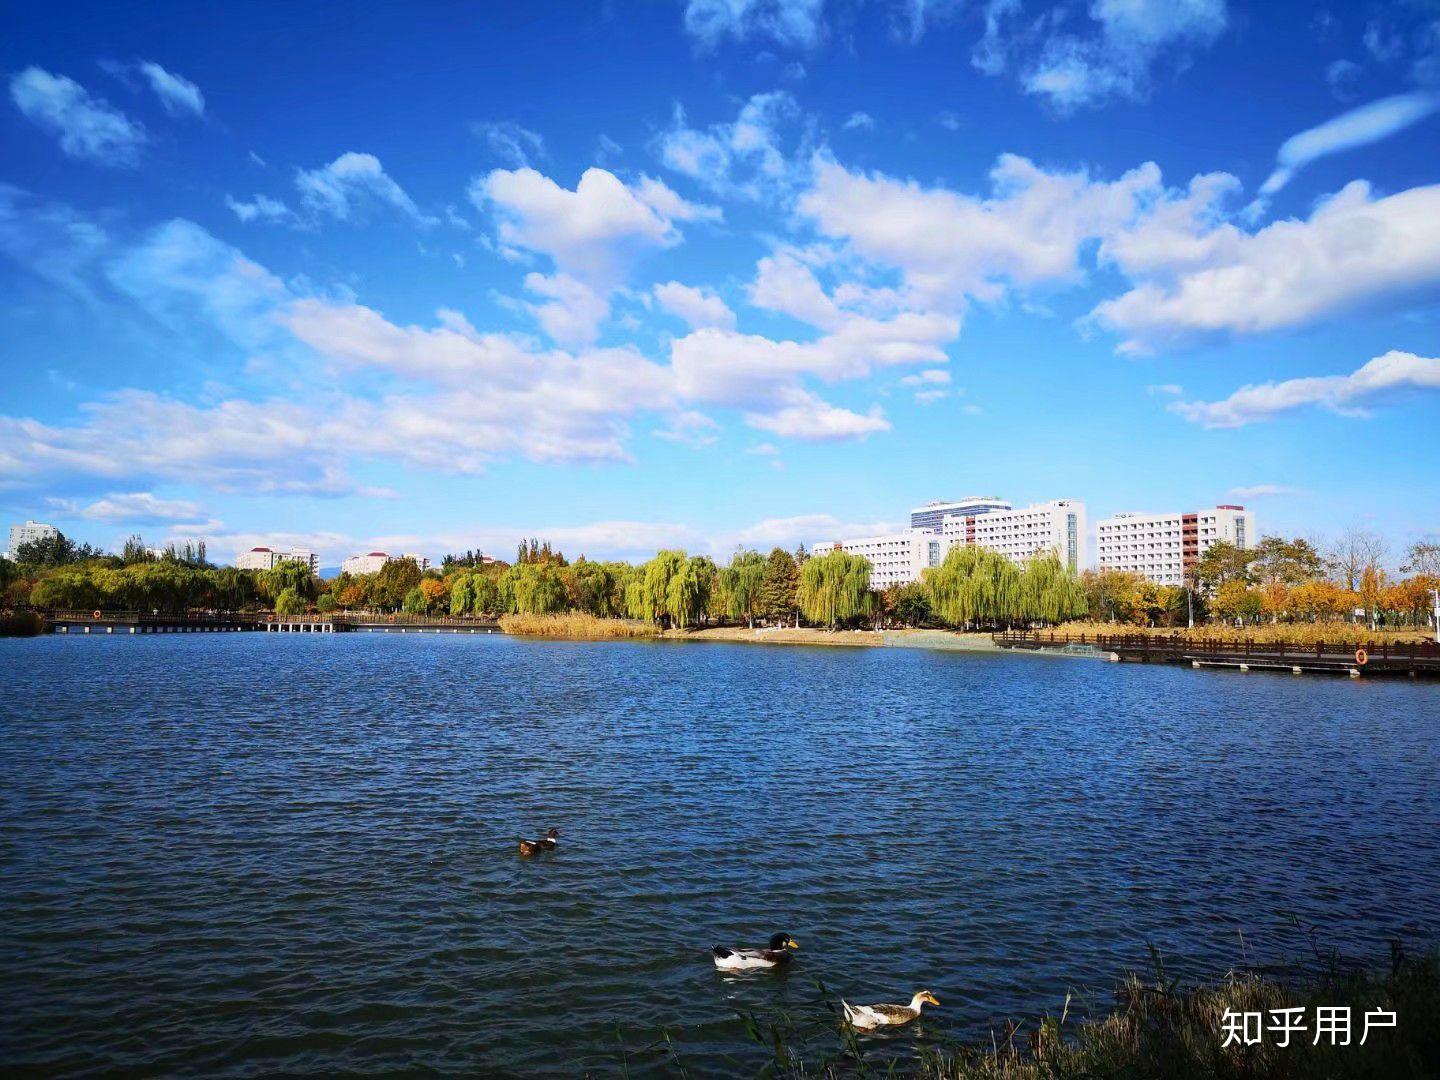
(1163, 547)
(933, 514)
(1057, 526)
(895, 558)
(264, 558)
(28, 534)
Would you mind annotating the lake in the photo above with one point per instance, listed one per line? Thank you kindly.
(244, 854)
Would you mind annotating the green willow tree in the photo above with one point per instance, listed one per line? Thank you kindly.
(974, 587)
(1048, 592)
(835, 588)
(740, 583)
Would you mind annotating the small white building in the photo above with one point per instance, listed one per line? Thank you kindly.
(368, 563)
(28, 534)
(1057, 526)
(419, 560)
(1163, 547)
(264, 558)
(895, 558)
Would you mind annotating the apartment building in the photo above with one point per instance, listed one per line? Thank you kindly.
(1163, 547)
(372, 561)
(933, 514)
(895, 558)
(28, 534)
(1056, 526)
(264, 558)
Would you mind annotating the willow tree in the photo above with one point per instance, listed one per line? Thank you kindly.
(834, 588)
(462, 594)
(741, 582)
(1049, 592)
(687, 592)
(974, 586)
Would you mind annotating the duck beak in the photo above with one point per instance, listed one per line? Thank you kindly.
(793, 943)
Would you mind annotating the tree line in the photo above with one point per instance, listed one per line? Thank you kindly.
(1278, 580)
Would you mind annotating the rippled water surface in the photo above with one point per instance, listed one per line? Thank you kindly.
(242, 855)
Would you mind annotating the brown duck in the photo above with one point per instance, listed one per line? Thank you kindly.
(545, 843)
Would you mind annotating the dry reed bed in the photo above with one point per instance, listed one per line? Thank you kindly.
(576, 626)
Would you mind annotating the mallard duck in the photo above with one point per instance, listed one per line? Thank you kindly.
(871, 1017)
(774, 955)
(545, 843)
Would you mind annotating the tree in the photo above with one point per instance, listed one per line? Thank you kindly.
(436, 592)
(1353, 552)
(290, 602)
(687, 591)
(1049, 592)
(486, 599)
(834, 588)
(392, 583)
(741, 582)
(536, 588)
(290, 574)
(1372, 584)
(779, 587)
(1423, 558)
(909, 604)
(414, 602)
(326, 604)
(1287, 562)
(1236, 600)
(975, 586)
(462, 594)
(49, 552)
(1223, 562)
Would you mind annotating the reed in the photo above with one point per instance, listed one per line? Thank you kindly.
(576, 626)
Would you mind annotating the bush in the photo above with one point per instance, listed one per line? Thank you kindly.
(290, 602)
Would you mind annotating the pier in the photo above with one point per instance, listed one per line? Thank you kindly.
(1354, 659)
(192, 622)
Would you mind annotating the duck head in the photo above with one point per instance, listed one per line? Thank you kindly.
(783, 941)
(923, 997)
(552, 834)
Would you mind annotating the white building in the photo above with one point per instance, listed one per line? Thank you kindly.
(419, 560)
(895, 558)
(369, 563)
(933, 514)
(1162, 547)
(1057, 526)
(28, 534)
(264, 558)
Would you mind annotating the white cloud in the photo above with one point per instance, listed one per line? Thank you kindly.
(1115, 59)
(142, 507)
(792, 23)
(179, 95)
(665, 202)
(573, 311)
(951, 247)
(594, 232)
(351, 185)
(699, 307)
(929, 377)
(1358, 127)
(862, 120)
(1353, 249)
(515, 145)
(790, 532)
(87, 127)
(1262, 491)
(260, 208)
(804, 415)
(1345, 394)
(742, 158)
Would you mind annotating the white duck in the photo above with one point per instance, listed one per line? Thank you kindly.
(874, 1017)
(775, 955)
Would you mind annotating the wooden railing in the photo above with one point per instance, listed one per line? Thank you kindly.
(1179, 644)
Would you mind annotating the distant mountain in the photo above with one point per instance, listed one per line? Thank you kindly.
(328, 572)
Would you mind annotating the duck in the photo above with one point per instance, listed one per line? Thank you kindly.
(874, 1017)
(775, 955)
(545, 843)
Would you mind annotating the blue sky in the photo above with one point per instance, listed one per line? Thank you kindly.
(714, 272)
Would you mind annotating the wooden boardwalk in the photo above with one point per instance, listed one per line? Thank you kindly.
(196, 622)
(1358, 658)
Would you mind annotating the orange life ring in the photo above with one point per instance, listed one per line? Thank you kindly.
(392, 618)
(269, 618)
(1361, 657)
(95, 615)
